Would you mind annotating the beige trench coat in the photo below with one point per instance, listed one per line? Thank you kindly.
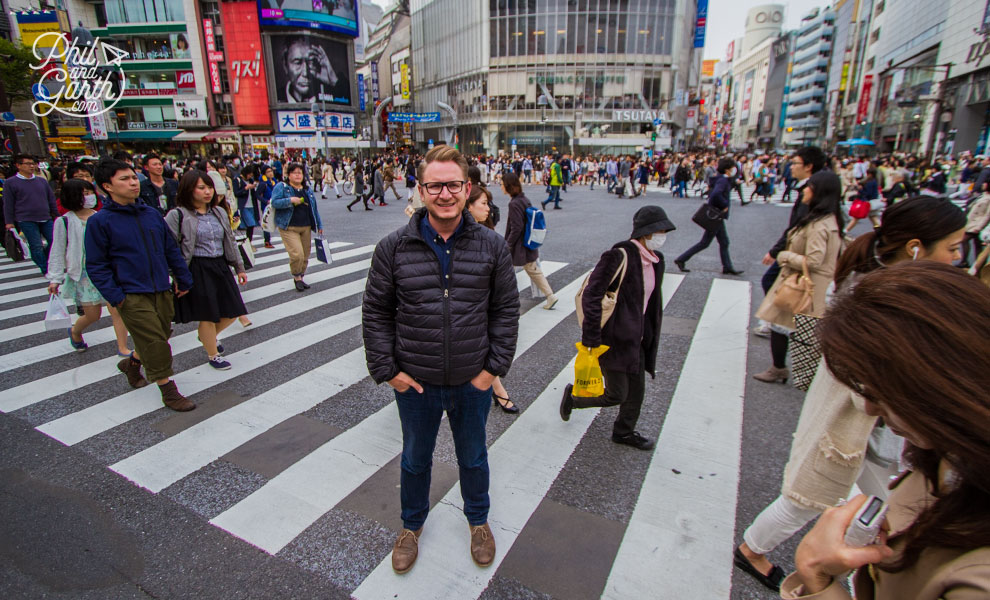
(939, 574)
(817, 244)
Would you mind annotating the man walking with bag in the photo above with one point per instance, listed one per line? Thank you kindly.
(718, 199)
(29, 205)
(441, 346)
(634, 270)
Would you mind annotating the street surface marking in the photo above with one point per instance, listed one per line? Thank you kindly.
(680, 537)
(275, 514)
(166, 462)
(524, 462)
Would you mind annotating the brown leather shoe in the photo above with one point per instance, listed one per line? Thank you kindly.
(133, 371)
(405, 550)
(482, 545)
(173, 399)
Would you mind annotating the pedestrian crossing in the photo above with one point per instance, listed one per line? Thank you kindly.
(680, 524)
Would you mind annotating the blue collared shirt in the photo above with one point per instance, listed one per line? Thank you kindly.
(440, 247)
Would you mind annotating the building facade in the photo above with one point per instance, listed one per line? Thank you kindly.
(963, 118)
(810, 60)
(747, 111)
(554, 75)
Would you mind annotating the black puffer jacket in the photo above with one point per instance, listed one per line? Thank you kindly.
(437, 336)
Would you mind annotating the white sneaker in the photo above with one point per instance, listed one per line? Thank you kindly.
(551, 302)
(762, 330)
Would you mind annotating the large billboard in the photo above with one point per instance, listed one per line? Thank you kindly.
(309, 68)
(340, 16)
(747, 96)
(245, 64)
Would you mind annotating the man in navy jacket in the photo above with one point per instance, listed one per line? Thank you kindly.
(130, 255)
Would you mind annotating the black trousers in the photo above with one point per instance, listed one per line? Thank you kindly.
(625, 390)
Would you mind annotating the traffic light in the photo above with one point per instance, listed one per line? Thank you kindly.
(701, 102)
(653, 137)
(354, 134)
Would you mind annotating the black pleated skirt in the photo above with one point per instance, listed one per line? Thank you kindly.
(214, 294)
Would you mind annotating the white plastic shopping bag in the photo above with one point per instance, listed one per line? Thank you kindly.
(57, 318)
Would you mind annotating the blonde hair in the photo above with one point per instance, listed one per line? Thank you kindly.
(443, 154)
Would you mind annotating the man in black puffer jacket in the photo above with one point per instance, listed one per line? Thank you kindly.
(440, 321)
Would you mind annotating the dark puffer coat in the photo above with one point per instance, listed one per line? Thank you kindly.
(629, 330)
(437, 335)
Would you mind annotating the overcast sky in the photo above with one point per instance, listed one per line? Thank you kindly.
(727, 20)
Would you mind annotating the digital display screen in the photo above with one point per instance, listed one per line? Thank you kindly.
(340, 16)
(871, 511)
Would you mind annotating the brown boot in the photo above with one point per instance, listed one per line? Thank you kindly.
(405, 550)
(482, 545)
(173, 399)
(132, 369)
(773, 375)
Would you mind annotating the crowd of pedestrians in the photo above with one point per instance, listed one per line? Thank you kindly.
(900, 311)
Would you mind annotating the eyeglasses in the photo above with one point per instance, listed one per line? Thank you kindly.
(435, 188)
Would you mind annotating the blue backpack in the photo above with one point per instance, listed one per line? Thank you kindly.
(536, 228)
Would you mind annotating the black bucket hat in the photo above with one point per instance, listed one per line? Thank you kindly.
(650, 219)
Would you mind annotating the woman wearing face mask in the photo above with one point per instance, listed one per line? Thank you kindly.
(515, 237)
(632, 334)
(928, 321)
(718, 198)
(830, 450)
(67, 265)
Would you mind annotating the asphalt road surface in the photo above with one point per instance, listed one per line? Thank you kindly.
(284, 482)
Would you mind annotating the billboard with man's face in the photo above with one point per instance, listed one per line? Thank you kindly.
(309, 68)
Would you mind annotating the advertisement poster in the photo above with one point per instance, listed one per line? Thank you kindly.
(340, 16)
(864, 99)
(309, 68)
(747, 97)
(304, 121)
(245, 67)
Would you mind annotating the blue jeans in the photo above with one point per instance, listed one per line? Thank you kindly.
(467, 411)
(34, 232)
(681, 189)
(553, 197)
(706, 240)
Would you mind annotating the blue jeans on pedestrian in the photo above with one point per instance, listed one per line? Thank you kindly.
(467, 412)
(553, 197)
(681, 190)
(706, 240)
(34, 231)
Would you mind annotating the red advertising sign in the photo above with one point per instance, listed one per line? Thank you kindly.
(185, 80)
(245, 63)
(215, 78)
(864, 99)
(211, 43)
(214, 56)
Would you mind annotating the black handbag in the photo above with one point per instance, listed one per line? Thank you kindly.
(708, 217)
(13, 246)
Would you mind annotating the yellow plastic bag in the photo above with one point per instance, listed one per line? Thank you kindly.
(588, 380)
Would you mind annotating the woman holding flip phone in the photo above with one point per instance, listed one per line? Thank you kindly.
(929, 322)
(296, 217)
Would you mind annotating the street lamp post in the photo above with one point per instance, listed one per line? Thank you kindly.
(453, 114)
(542, 101)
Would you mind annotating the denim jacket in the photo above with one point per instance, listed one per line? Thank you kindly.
(282, 203)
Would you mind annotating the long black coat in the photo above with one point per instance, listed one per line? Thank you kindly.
(436, 334)
(629, 331)
(515, 232)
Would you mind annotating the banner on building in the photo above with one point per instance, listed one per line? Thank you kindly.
(361, 92)
(185, 82)
(98, 125)
(708, 68)
(305, 121)
(427, 117)
(747, 96)
(190, 111)
(310, 68)
(700, 23)
(245, 65)
(864, 99)
(404, 81)
(340, 16)
(730, 52)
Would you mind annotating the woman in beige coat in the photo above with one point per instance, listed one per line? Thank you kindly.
(935, 542)
(830, 444)
(815, 242)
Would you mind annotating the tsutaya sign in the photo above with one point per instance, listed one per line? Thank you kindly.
(644, 116)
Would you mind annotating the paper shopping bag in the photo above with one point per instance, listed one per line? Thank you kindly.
(323, 251)
(588, 380)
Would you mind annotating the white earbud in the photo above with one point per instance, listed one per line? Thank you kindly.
(915, 253)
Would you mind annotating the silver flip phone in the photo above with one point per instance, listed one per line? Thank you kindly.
(865, 526)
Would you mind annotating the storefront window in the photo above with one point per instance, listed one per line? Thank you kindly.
(143, 11)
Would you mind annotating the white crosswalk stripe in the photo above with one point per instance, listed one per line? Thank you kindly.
(678, 525)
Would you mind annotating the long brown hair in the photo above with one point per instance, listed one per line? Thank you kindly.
(924, 218)
(476, 193)
(913, 338)
(187, 185)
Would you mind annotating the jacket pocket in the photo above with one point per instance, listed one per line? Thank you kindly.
(836, 464)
